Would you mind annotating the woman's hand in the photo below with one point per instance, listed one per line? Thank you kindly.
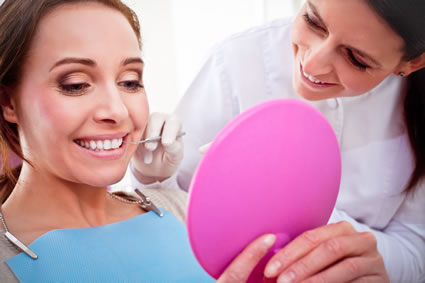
(331, 253)
(157, 161)
(241, 267)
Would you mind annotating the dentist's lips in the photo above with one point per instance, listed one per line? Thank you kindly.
(313, 82)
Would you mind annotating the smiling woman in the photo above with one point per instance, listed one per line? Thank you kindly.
(72, 93)
(361, 63)
(52, 86)
(333, 63)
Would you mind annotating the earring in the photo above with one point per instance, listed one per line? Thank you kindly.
(401, 74)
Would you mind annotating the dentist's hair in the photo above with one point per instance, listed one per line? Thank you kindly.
(18, 23)
(407, 19)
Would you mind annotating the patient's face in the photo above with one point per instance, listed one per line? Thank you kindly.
(80, 95)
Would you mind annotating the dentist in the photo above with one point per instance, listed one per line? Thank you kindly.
(360, 62)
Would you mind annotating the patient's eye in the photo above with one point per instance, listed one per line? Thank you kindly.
(74, 88)
(73, 84)
(132, 86)
(131, 80)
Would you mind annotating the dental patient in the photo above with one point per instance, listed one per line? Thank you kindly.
(72, 94)
(72, 103)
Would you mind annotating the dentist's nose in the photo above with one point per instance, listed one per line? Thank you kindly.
(110, 108)
(318, 59)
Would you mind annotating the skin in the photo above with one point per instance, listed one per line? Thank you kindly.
(351, 63)
(334, 252)
(61, 100)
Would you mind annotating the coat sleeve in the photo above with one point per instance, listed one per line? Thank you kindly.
(402, 242)
(204, 110)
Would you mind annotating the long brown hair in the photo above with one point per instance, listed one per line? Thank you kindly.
(407, 19)
(18, 22)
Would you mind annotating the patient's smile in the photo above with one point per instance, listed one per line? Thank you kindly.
(97, 145)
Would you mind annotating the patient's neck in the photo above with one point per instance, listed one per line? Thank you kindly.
(57, 202)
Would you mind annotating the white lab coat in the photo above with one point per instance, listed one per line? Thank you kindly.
(256, 66)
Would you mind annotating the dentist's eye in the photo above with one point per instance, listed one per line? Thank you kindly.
(311, 23)
(355, 62)
(132, 86)
(74, 88)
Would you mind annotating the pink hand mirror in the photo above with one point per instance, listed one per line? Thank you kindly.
(275, 168)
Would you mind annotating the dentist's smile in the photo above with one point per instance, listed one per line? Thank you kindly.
(312, 81)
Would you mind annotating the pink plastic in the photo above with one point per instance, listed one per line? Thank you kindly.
(275, 168)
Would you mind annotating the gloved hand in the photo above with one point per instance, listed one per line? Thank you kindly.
(157, 161)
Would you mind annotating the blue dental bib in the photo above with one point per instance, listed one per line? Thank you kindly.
(145, 248)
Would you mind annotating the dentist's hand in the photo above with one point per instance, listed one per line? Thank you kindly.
(157, 161)
(331, 253)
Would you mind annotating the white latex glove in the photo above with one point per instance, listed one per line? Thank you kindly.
(157, 161)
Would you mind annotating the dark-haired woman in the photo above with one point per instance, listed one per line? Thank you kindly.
(360, 62)
(71, 97)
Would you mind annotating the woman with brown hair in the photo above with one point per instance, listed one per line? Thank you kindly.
(72, 96)
(72, 103)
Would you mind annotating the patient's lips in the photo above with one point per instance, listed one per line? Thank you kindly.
(107, 144)
(102, 145)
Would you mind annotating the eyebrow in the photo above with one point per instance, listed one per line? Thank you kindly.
(72, 60)
(91, 63)
(132, 60)
(322, 22)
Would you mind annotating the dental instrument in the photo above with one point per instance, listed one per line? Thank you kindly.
(154, 139)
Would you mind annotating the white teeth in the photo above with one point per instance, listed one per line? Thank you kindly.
(100, 145)
(93, 145)
(114, 143)
(107, 144)
(312, 79)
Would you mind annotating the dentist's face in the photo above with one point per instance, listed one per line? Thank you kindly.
(81, 95)
(341, 48)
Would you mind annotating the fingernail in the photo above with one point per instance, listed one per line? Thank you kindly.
(286, 278)
(151, 145)
(272, 269)
(269, 241)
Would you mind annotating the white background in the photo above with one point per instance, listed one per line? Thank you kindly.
(178, 35)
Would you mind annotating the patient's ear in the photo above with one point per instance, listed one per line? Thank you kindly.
(8, 107)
